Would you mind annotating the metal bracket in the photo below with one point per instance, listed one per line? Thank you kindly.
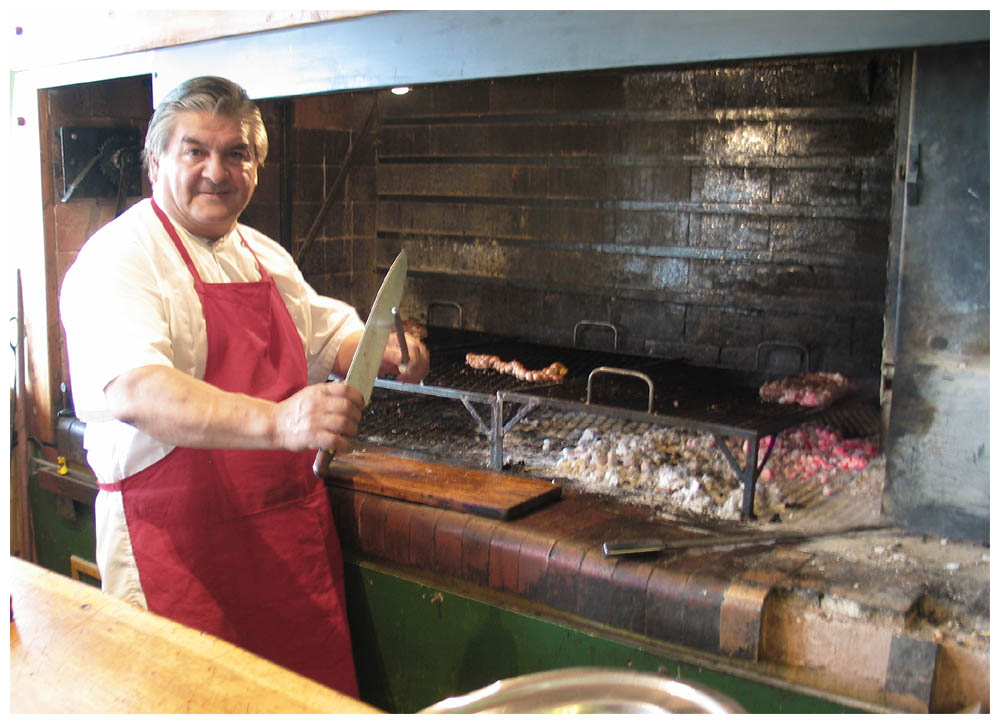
(483, 427)
(497, 428)
(526, 409)
(494, 430)
(913, 176)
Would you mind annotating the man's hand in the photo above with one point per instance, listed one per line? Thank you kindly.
(419, 363)
(320, 416)
(417, 368)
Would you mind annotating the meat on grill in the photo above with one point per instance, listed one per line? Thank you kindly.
(553, 373)
(811, 389)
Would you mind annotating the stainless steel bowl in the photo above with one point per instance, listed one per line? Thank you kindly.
(588, 690)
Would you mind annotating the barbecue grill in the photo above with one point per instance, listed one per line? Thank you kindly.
(607, 384)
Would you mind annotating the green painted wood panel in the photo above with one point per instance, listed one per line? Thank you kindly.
(416, 645)
(56, 536)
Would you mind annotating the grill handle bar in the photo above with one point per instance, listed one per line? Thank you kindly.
(445, 303)
(768, 347)
(590, 323)
(627, 373)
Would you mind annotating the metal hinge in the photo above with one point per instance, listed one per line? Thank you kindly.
(913, 176)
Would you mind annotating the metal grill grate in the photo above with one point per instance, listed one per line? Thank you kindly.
(440, 417)
(449, 369)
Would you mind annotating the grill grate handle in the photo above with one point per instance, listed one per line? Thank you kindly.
(591, 323)
(445, 303)
(619, 371)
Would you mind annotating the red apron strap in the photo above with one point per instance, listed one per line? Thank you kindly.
(175, 237)
(172, 233)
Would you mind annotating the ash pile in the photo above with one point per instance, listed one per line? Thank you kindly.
(813, 469)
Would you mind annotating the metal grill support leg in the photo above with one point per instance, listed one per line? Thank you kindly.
(496, 435)
(749, 472)
(494, 431)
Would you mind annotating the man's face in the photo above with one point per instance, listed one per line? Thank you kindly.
(207, 174)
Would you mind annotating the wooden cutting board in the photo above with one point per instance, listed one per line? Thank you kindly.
(481, 492)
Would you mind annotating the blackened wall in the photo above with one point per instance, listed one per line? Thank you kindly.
(311, 138)
(700, 210)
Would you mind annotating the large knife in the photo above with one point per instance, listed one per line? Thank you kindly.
(657, 545)
(371, 348)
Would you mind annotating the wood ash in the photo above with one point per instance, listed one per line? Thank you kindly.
(682, 471)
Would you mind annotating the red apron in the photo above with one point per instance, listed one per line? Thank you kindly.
(241, 543)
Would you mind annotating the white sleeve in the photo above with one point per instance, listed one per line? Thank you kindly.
(331, 321)
(115, 319)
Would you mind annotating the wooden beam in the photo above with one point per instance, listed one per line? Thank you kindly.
(44, 37)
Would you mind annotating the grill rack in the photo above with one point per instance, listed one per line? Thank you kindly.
(669, 393)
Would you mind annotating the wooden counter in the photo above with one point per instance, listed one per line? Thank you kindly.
(74, 650)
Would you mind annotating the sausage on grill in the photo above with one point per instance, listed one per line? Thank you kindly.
(553, 373)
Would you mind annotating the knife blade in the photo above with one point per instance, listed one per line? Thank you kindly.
(371, 347)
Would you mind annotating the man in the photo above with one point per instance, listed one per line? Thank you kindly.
(198, 357)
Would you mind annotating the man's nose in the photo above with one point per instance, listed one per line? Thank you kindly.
(214, 169)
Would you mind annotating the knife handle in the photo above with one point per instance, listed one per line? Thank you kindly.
(401, 339)
(625, 548)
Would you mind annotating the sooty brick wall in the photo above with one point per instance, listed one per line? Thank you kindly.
(700, 210)
(310, 141)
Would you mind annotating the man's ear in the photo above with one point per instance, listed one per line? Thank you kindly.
(153, 167)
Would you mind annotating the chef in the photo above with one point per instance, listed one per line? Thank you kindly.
(198, 357)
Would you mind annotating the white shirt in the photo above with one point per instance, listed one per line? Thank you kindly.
(129, 301)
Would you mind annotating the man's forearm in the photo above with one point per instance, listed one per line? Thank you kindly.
(342, 362)
(178, 409)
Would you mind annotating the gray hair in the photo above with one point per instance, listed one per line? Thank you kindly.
(217, 95)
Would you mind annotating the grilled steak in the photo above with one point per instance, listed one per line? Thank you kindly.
(811, 389)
